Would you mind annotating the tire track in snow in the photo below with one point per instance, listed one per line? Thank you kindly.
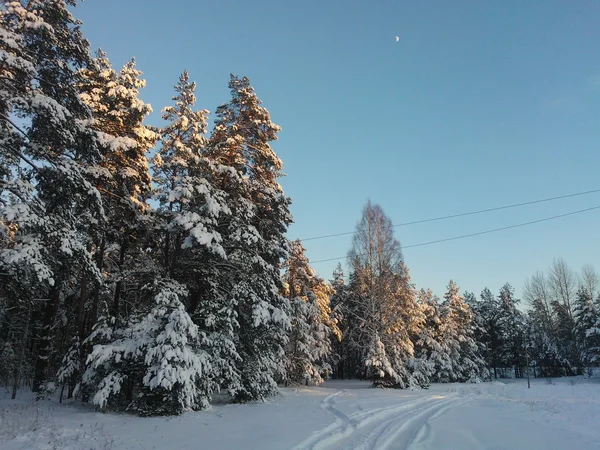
(380, 425)
(341, 426)
(397, 426)
(400, 430)
(328, 404)
(416, 428)
(332, 435)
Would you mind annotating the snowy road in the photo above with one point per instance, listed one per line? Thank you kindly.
(484, 416)
(402, 426)
(563, 414)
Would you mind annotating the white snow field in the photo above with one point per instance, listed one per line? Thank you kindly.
(553, 414)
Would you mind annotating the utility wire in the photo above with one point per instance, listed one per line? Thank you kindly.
(479, 233)
(452, 216)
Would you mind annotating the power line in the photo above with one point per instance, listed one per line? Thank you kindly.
(452, 216)
(479, 233)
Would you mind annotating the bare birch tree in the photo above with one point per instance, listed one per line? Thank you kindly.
(590, 280)
(382, 300)
(563, 284)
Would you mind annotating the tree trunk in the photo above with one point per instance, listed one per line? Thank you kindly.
(81, 306)
(167, 250)
(24, 339)
(96, 295)
(43, 357)
(193, 302)
(119, 287)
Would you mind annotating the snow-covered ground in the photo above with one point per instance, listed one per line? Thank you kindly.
(563, 414)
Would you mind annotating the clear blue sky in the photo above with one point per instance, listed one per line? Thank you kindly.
(479, 104)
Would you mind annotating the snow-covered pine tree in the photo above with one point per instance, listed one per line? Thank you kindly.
(428, 351)
(400, 336)
(124, 181)
(191, 209)
(323, 292)
(247, 170)
(546, 357)
(489, 311)
(479, 328)
(309, 344)
(563, 337)
(513, 330)
(593, 341)
(357, 333)
(562, 286)
(456, 356)
(178, 171)
(471, 366)
(587, 339)
(157, 363)
(337, 302)
(549, 357)
(339, 288)
(446, 356)
(49, 207)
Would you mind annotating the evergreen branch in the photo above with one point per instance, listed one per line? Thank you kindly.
(15, 126)
(21, 156)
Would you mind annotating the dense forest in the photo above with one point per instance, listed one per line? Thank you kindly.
(146, 268)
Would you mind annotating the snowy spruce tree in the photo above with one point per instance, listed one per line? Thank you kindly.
(337, 302)
(586, 333)
(309, 346)
(593, 341)
(428, 348)
(479, 328)
(490, 315)
(405, 335)
(470, 366)
(247, 169)
(446, 357)
(156, 364)
(513, 329)
(49, 204)
(378, 366)
(546, 357)
(456, 355)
